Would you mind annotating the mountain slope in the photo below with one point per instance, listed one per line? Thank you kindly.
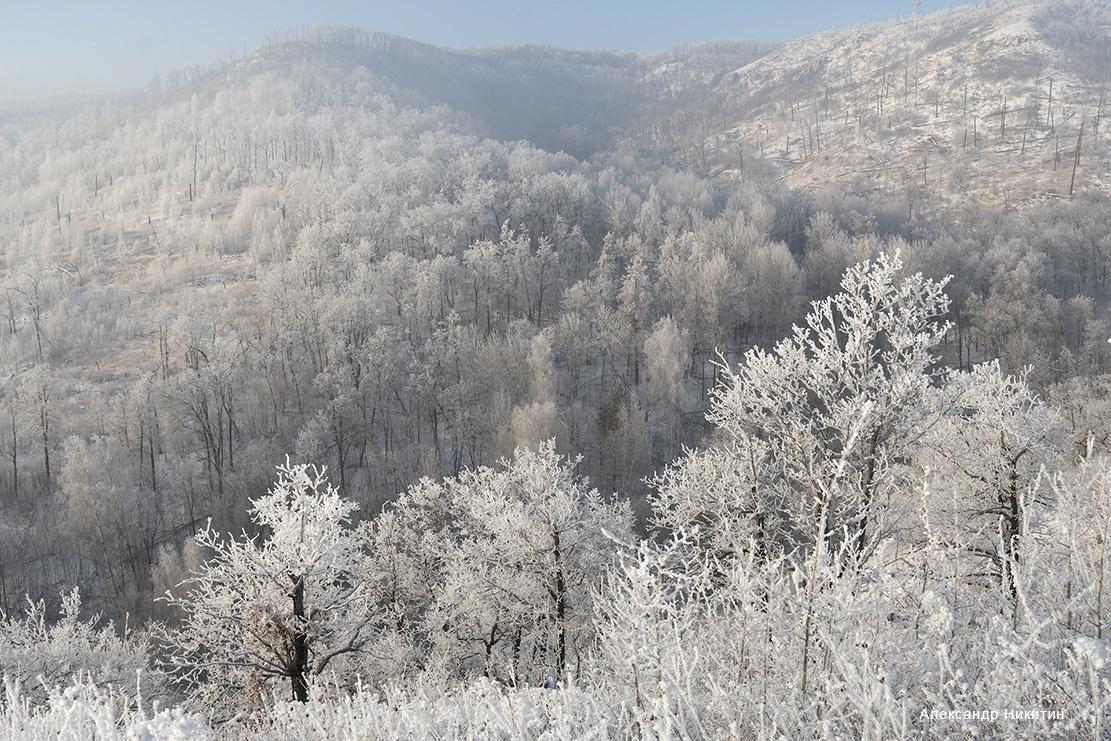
(578, 101)
(984, 102)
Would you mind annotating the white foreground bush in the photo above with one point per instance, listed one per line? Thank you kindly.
(482, 709)
(84, 711)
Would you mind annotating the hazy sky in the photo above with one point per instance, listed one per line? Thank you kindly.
(51, 47)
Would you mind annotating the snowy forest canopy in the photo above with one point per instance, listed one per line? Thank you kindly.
(457, 394)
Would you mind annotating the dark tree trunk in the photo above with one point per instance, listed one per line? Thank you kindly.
(560, 597)
(15, 456)
(299, 671)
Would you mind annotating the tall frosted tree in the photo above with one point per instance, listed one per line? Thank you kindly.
(290, 603)
(990, 448)
(817, 427)
(532, 540)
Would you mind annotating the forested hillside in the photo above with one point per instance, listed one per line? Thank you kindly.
(1003, 100)
(408, 381)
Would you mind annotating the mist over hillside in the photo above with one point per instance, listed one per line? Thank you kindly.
(368, 388)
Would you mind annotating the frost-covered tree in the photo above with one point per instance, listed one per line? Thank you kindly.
(818, 427)
(649, 615)
(531, 542)
(411, 543)
(290, 602)
(835, 636)
(722, 491)
(36, 391)
(535, 421)
(667, 361)
(992, 442)
(1079, 535)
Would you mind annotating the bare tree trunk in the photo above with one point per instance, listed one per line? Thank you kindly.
(299, 671)
(44, 421)
(1076, 159)
(14, 454)
(560, 597)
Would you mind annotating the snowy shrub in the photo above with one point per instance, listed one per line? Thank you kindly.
(38, 653)
(480, 709)
(83, 711)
